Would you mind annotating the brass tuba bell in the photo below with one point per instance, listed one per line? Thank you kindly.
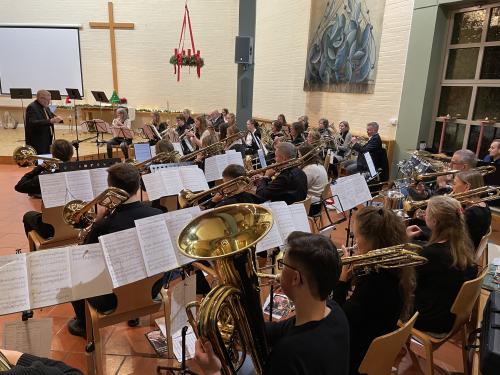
(25, 156)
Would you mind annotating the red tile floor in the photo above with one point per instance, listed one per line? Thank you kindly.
(126, 349)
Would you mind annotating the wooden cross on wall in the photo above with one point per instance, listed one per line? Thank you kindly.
(112, 25)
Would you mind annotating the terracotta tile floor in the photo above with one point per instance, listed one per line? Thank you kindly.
(126, 349)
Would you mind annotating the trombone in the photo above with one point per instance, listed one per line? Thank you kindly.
(162, 157)
(213, 149)
(25, 156)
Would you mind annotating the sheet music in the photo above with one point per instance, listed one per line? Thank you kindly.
(53, 188)
(89, 274)
(282, 217)
(154, 185)
(14, 287)
(193, 178)
(178, 148)
(234, 158)
(142, 152)
(49, 277)
(79, 185)
(212, 169)
(33, 336)
(272, 238)
(351, 191)
(190, 344)
(299, 217)
(182, 293)
(171, 181)
(175, 224)
(99, 180)
(156, 245)
(123, 256)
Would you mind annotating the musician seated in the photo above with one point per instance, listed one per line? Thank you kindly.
(229, 173)
(182, 129)
(200, 131)
(24, 363)
(304, 120)
(281, 120)
(314, 341)
(373, 146)
(277, 130)
(164, 146)
(462, 160)
(317, 178)
(125, 177)
(216, 119)
(156, 122)
(121, 121)
(313, 137)
(325, 129)
(252, 140)
(379, 299)
(186, 117)
(30, 184)
(229, 120)
(290, 185)
(493, 153)
(237, 144)
(297, 133)
(450, 263)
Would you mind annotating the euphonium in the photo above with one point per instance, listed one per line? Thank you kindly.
(230, 316)
(397, 256)
(227, 189)
(473, 196)
(81, 215)
(25, 156)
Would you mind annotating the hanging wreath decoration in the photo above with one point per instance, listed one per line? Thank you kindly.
(192, 58)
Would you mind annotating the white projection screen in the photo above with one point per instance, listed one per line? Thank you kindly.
(40, 58)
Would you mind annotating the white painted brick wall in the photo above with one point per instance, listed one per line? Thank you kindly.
(281, 48)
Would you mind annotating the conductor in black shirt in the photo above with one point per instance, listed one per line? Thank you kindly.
(125, 177)
(39, 127)
(289, 185)
(316, 340)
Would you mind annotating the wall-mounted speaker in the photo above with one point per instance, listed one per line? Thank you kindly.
(243, 50)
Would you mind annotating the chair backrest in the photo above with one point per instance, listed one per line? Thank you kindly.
(326, 191)
(62, 231)
(465, 301)
(136, 295)
(482, 246)
(383, 350)
(307, 204)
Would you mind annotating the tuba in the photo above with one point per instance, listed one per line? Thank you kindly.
(230, 316)
(25, 156)
(81, 215)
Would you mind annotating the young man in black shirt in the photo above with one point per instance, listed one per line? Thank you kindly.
(316, 340)
(125, 177)
(30, 184)
(27, 364)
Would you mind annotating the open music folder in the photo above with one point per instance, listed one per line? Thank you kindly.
(170, 181)
(215, 165)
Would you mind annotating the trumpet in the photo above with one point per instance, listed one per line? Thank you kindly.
(471, 196)
(25, 156)
(398, 256)
(227, 189)
(81, 215)
(162, 157)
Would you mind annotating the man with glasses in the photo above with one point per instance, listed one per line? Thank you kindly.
(462, 160)
(316, 339)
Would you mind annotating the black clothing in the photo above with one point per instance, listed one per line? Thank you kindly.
(31, 365)
(298, 140)
(238, 147)
(374, 147)
(437, 287)
(243, 197)
(372, 310)
(277, 135)
(255, 146)
(478, 220)
(32, 220)
(123, 142)
(218, 122)
(38, 130)
(223, 130)
(29, 183)
(120, 219)
(289, 186)
(319, 347)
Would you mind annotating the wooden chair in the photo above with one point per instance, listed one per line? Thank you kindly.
(307, 204)
(64, 234)
(134, 300)
(319, 216)
(383, 350)
(170, 203)
(462, 309)
(481, 255)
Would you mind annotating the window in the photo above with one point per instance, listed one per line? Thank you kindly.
(470, 87)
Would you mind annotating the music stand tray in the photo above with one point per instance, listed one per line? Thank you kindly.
(20, 93)
(74, 94)
(100, 96)
(55, 94)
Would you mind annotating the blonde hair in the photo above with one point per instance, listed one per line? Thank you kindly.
(472, 178)
(450, 227)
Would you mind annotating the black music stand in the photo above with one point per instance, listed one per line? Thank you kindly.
(100, 97)
(55, 94)
(21, 94)
(75, 95)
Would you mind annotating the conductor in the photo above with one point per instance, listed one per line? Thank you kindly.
(39, 127)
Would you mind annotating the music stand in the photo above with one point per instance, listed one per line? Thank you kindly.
(55, 94)
(100, 97)
(17, 93)
(75, 95)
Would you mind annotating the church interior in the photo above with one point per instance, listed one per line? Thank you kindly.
(369, 127)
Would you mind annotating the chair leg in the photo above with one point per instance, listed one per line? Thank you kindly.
(98, 352)
(465, 356)
(429, 358)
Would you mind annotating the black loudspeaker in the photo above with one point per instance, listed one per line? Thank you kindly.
(243, 50)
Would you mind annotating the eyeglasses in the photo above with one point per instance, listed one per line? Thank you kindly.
(281, 264)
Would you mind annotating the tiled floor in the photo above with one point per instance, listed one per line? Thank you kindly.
(126, 349)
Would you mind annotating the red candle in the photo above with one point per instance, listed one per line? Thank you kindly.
(198, 53)
(175, 52)
(183, 52)
(189, 52)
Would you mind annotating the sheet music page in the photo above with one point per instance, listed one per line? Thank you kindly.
(193, 178)
(154, 185)
(190, 344)
(351, 191)
(53, 187)
(234, 158)
(283, 218)
(156, 245)
(89, 274)
(49, 277)
(299, 217)
(172, 181)
(212, 170)
(14, 287)
(175, 224)
(79, 185)
(123, 256)
(99, 180)
(182, 293)
(272, 238)
(33, 336)
(178, 148)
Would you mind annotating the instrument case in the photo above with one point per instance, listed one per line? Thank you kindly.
(489, 348)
